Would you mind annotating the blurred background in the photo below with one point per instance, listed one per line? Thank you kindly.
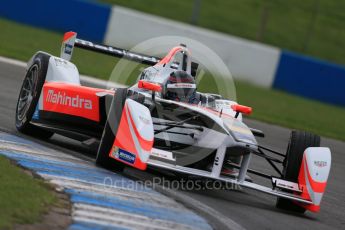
(313, 27)
(287, 56)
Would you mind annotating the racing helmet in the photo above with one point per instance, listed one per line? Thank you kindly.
(180, 86)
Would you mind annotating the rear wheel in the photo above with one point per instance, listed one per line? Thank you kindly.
(299, 141)
(29, 96)
(110, 130)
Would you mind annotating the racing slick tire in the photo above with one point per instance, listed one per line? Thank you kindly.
(110, 130)
(298, 142)
(29, 95)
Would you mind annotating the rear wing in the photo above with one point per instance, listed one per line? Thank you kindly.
(70, 41)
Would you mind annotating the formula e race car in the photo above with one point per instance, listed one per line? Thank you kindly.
(163, 122)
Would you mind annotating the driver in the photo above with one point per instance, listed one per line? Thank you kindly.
(180, 86)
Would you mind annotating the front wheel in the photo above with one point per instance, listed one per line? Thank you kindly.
(299, 141)
(29, 96)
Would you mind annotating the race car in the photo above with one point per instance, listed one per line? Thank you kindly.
(163, 122)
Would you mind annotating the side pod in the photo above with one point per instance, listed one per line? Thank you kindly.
(313, 175)
(134, 138)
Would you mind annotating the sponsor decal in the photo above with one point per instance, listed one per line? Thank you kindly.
(285, 184)
(320, 164)
(71, 99)
(61, 98)
(68, 48)
(162, 154)
(120, 52)
(123, 155)
(223, 105)
(61, 62)
(181, 85)
(145, 120)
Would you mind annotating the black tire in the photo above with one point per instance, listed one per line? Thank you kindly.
(110, 130)
(299, 141)
(31, 89)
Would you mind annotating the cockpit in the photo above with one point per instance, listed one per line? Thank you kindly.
(174, 74)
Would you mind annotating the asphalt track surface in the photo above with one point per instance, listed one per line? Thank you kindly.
(250, 209)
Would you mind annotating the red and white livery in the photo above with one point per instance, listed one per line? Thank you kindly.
(162, 121)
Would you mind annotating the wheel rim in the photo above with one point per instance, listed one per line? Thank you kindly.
(27, 92)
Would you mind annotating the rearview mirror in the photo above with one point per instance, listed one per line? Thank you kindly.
(242, 109)
(149, 86)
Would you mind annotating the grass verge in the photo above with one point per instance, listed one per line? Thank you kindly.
(23, 198)
(272, 106)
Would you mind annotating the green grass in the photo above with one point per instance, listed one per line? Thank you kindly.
(19, 41)
(277, 107)
(288, 22)
(23, 198)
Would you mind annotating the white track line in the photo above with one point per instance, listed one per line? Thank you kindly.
(12, 61)
(116, 192)
(116, 217)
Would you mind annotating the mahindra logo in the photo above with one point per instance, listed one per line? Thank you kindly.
(320, 163)
(181, 85)
(62, 99)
